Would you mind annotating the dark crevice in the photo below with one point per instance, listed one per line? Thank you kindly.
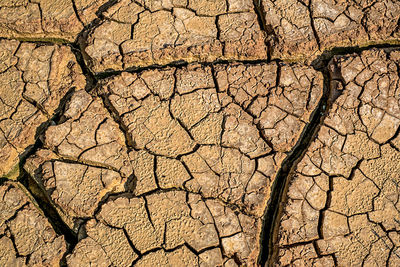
(124, 129)
(34, 103)
(144, 254)
(298, 244)
(194, 149)
(177, 64)
(131, 243)
(269, 233)
(396, 134)
(316, 248)
(155, 172)
(259, 10)
(322, 61)
(236, 259)
(3, 180)
(309, 96)
(325, 208)
(12, 239)
(335, 262)
(191, 249)
(41, 15)
(71, 160)
(76, 12)
(266, 28)
(178, 120)
(105, 7)
(80, 41)
(314, 30)
(264, 137)
(91, 80)
(353, 170)
(218, 37)
(50, 212)
(146, 206)
(13, 243)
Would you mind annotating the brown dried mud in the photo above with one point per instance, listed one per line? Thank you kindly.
(171, 133)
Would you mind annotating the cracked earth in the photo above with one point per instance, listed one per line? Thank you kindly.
(199, 133)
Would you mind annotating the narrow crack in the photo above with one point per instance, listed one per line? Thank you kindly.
(76, 12)
(129, 143)
(328, 201)
(314, 30)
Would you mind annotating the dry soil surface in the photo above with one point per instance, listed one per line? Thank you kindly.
(199, 133)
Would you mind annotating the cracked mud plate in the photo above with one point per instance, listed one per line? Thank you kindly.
(177, 133)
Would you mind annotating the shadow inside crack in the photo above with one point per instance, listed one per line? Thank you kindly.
(271, 217)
